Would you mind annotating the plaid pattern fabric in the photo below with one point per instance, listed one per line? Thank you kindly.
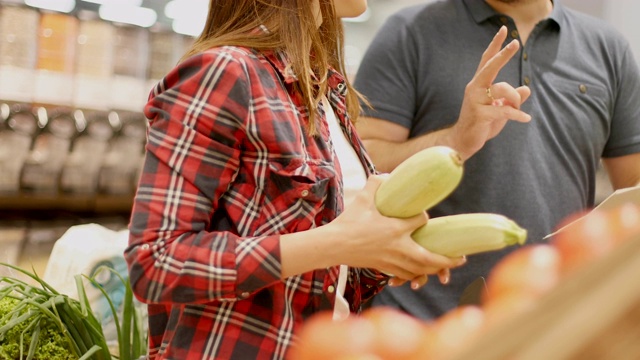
(228, 168)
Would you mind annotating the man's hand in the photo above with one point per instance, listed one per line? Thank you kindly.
(486, 106)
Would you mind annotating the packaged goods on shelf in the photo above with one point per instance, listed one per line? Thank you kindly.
(51, 146)
(18, 52)
(18, 126)
(94, 65)
(124, 158)
(72, 91)
(57, 37)
(131, 53)
(82, 167)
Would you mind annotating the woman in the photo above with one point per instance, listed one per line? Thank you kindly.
(237, 231)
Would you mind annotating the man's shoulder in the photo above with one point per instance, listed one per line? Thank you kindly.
(591, 28)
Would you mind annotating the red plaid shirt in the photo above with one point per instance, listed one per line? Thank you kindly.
(228, 168)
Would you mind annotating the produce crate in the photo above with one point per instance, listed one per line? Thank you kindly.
(592, 314)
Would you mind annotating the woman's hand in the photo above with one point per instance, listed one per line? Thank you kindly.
(444, 276)
(372, 240)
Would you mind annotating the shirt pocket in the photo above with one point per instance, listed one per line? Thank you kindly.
(580, 89)
(578, 112)
(296, 192)
(590, 97)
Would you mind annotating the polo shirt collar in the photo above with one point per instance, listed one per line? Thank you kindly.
(481, 11)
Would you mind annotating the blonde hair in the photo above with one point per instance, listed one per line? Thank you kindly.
(293, 29)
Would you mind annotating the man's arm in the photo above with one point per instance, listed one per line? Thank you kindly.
(388, 143)
(624, 171)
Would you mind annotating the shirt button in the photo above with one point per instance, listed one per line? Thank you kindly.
(583, 88)
(341, 86)
(527, 81)
(304, 193)
(525, 56)
(145, 247)
(331, 289)
(514, 34)
(244, 295)
(503, 19)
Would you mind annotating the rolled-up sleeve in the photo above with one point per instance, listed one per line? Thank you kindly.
(197, 116)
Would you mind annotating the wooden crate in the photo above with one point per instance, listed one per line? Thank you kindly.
(593, 314)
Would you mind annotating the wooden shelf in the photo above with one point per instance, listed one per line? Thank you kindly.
(66, 202)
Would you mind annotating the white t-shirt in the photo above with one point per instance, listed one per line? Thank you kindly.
(354, 178)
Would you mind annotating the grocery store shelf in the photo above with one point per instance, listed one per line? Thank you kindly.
(67, 202)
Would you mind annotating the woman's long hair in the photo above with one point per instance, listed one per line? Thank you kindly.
(292, 28)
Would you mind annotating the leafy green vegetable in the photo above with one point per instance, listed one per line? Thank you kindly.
(38, 323)
(132, 341)
(51, 343)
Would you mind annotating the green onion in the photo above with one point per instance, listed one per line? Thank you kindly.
(32, 314)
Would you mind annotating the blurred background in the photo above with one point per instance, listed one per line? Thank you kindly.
(74, 76)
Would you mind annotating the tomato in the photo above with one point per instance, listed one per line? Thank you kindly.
(596, 235)
(531, 270)
(398, 336)
(452, 332)
(321, 337)
(506, 306)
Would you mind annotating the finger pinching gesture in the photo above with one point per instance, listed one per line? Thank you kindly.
(487, 106)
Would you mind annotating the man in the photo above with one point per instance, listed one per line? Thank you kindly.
(584, 105)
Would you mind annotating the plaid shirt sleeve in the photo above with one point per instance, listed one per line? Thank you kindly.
(188, 167)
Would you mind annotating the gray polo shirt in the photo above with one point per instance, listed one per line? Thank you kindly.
(585, 101)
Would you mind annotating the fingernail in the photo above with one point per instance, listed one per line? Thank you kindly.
(415, 286)
(463, 260)
(446, 279)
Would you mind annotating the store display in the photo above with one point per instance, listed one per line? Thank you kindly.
(165, 50)
(591, 313)
(55, 67)
(94, 65)
(123, 161)
(131, 53)
(533, 306)
(80, 83)
(82, 167)
(18, 52)
(42, 168)
(18, 126)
